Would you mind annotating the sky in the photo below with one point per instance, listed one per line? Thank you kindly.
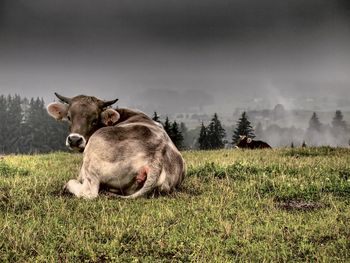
(179, 55)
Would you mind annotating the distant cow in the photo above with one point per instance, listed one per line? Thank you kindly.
(124, 150)
(249, 143)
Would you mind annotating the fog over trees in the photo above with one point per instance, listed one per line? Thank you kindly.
(316, 132)
(278, 127)
(25, 127)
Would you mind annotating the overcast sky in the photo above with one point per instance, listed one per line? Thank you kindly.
(178, 55)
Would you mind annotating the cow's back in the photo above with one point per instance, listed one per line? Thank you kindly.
(262, 145)
(138, 135)
(129, 115)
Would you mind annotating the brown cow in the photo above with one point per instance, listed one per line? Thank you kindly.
(124, 150)
(249, 143)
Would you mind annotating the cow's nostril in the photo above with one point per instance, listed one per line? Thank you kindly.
(75, 141)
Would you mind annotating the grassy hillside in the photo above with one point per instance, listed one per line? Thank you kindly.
(272, 205)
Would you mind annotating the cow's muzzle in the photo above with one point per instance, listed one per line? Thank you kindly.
(76, 142)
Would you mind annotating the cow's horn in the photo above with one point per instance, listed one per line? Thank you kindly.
(64, 99)
(105, 104)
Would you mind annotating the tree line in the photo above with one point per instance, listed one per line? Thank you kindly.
(25, 127)
(174, 130)
(214, 136)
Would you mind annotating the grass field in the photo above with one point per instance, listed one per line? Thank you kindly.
(264, 205)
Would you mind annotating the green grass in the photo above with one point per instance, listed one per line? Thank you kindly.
(235, 205)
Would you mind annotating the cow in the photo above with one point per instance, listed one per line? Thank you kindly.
(249, 143)
(124, 150)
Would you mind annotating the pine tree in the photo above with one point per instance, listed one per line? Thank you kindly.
(156, 117)
(203, 138)
(13, 124)
(174, 132)
(338, 121)
(314, 135)
(176, 135)
(167, 126)
(314, 123)
(339, 129)
(244, 127)
(216, 133)
(35, 126)
(3, 121)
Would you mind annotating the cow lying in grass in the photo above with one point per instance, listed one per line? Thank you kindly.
(248, 143)
(124, 150)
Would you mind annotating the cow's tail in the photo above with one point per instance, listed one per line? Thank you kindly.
(150, 183)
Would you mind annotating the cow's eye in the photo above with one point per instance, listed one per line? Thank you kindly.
(68, 117)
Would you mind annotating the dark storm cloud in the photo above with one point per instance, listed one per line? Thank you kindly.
(174, 20)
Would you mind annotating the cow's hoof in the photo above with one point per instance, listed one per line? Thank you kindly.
(64, 191)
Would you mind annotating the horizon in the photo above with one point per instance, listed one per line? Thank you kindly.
(297, 118)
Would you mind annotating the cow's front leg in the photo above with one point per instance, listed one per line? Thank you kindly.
(88, 189)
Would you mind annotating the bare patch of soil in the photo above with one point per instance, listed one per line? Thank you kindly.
(300, 205)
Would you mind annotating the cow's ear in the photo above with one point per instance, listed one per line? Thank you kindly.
(58, 110)
(249, 140)
(109, 117)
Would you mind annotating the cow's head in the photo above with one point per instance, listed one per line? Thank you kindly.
(85, 115)
(243, 141)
